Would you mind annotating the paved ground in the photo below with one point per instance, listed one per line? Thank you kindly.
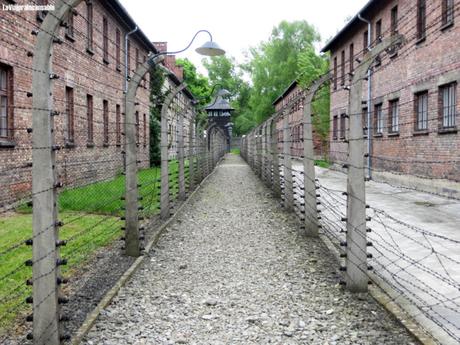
(233, 270)
(419, 257)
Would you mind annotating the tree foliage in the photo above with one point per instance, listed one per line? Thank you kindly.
(289, 54)
(311, 67)
(274, 64)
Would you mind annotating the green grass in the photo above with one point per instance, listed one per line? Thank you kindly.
(91, 221)
(88, 233)
(105, 197)
(235, 151)
(323, 163)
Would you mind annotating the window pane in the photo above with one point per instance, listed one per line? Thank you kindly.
(3, 116)
(448, 105)
(3, 80)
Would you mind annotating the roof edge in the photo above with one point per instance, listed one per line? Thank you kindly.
(286, 91)
(347, 26)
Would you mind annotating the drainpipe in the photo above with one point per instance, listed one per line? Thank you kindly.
(369, 99)
(126, 57)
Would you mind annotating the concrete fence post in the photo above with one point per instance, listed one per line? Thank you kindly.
(45, 249)
(356, 245)
(191, 153)
(287, 172)
(310, 199)
(181, 155)
(260, 152)
(276, 184)
(164, 199)
(132, 238)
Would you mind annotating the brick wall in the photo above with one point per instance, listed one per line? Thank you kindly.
(295, 114)
(419, 65)
(86, 73)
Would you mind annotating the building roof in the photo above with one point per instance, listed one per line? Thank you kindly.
(355, 20)
(219, 103)
(285, 92)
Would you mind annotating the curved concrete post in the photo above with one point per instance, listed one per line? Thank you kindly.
(287, 172)
(276, 180)
(259, 151)
(266, 157)
(181, 154)
(310, 200)
(46, 328)
(356, 258)
(132, 242)
(191, 152)
(164, 199)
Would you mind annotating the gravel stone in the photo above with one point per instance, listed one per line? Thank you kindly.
(270, 285)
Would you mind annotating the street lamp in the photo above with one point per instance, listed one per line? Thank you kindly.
(209, 48)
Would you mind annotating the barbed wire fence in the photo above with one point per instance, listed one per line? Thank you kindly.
(413, 265)
(74, 196)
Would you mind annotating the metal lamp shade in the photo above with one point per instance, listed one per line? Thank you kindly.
(210, 48)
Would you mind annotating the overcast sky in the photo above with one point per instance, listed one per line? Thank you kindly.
(235, 25)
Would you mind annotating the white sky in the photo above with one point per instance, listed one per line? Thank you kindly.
(235, 25)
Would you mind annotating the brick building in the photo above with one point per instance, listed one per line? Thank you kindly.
(88, 94)
(414, 87)
(182, 104)
(292, 94)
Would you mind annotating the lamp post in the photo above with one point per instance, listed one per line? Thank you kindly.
(209, 48)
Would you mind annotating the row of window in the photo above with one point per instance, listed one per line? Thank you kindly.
(447, 110)
(447, 20)
(69, 33)
(70, 121)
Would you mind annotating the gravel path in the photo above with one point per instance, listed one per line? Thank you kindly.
(233, 269)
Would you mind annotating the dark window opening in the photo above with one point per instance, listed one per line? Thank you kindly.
(6, 102)
(105, 119)
(447, 12)
(117, 49)
(448, 105)
(105, 38)
(352, 58)
(421, 111)
(342, 82)
(394, 116)
(334, 127)
(118, 124)
(70, 115)
(89, 26)
(335, 73)
(89, 116)
(378, 119)
(421, 19)
(343, 126)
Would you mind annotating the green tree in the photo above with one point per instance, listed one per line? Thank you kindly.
(311, 67)
(274, 64)
(198, 85)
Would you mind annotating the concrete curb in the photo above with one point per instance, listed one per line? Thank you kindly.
(92, 317)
